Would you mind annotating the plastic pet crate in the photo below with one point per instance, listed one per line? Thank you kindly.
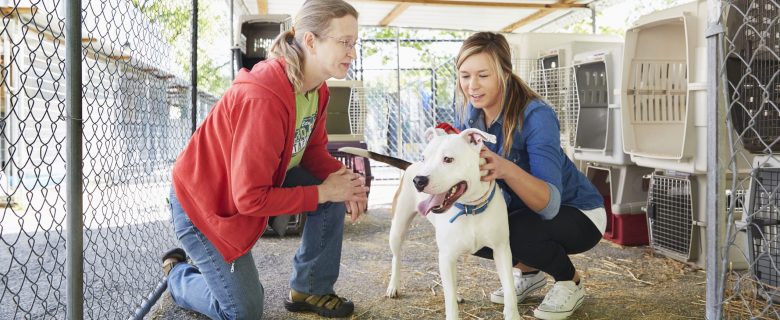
(355, 163)
(752, 66)
(554, 50)
(763, 226)
(346, 124)
(676, 214)
(624, 198)
(346, 110)
(663, 92)
(599, 132)
(253, 38)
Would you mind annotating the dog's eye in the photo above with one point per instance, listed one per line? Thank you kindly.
(448, 160)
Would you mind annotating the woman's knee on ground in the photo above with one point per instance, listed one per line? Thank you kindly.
(248, 307)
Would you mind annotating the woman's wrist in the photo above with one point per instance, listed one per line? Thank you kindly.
(321, 198)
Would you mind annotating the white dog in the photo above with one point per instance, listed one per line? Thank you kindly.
(468, 213)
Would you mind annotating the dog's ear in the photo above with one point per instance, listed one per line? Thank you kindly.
(433, 132)
(477, 137)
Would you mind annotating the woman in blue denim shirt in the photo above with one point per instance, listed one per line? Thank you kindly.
(554, 211)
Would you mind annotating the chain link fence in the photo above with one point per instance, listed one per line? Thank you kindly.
(749, 79)
(136, 119)
(409, 81)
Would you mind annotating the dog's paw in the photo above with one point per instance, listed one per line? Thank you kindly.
(392, 292)
(512, 314)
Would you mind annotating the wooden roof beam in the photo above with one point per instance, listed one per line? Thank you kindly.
(537, 15)
(262, 6)
(397, 11)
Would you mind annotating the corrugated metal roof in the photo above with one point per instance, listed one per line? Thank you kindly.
(477, 15)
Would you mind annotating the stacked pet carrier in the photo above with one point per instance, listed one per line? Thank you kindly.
(254, 36)
(752, 68)
(546, 59)
(598, 142)
(663, 99)
(579, 75)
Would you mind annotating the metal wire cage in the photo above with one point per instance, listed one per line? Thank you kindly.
(558, 87)
(763, 220)
(752, 68)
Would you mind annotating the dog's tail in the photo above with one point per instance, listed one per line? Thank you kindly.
(395, 162)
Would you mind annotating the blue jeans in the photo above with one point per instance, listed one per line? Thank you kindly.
(223, 291)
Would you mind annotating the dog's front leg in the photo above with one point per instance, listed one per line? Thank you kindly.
(403, 212)
(449, 283)
(503, 258)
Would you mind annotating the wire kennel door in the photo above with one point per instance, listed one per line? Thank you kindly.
(558, 87)
(676, 215)
(670, 215)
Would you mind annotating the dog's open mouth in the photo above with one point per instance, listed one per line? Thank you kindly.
(442, 202)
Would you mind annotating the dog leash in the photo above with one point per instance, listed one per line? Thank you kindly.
(473, 209)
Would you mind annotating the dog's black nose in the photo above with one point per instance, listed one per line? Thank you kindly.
(420, 182)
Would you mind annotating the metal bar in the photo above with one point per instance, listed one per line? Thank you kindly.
(399, 125)
(434, 101)
(194, 65)
(147, 304)
(74, 190)
(716, 222)
(593, 17)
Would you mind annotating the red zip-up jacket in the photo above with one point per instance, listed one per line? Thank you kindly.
(228, 177)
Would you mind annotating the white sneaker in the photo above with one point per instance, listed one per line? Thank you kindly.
(564, 297)
(524, 285)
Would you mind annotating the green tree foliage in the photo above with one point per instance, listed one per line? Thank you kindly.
(174, 18)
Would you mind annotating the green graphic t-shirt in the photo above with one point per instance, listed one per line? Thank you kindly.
(305, 114)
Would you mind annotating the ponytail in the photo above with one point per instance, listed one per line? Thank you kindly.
(286, 47)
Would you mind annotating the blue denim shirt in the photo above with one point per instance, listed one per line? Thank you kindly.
(537, 150)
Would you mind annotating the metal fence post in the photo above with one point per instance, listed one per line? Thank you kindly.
(194, 66)
(399, 132)
(74, 189)
(716, 222)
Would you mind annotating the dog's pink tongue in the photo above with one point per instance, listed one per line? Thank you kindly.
(425, 206)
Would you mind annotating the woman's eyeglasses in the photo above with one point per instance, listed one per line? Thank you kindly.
(349, 45)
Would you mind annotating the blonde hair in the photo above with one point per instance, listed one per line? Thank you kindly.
(515, 93)
(314, 16)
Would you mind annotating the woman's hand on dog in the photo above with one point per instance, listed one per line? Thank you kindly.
(494, 165)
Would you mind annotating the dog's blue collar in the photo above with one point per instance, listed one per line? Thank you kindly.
(473, 209)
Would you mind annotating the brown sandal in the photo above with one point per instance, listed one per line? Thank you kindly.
(171, 258)
(329, 305)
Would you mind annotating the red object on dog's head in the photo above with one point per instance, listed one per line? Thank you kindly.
(448, 128)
